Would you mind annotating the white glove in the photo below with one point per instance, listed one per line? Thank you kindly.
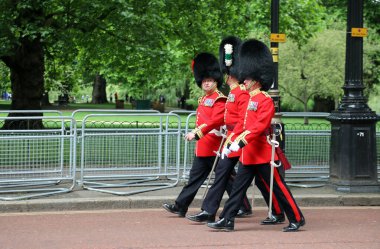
(189, 136)
(234, 147)
(225, 153)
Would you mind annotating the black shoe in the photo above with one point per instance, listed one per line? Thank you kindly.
(172, 208)
(275, 219)
(222, 224)
(243, 213)
(294, 226)
(202, 217)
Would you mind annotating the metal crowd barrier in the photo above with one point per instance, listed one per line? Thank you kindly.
(38, 161)
(306, 146)
(189, 147)
(378, 150)
(308, 151)
(120, 155)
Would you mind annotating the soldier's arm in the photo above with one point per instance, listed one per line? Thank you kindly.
(216, 120)
(263, 121)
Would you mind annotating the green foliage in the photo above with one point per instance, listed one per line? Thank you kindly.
(373, 101)
(317, 68)
(4, 78)
(144, 48)
(336, 19)
(301, 19)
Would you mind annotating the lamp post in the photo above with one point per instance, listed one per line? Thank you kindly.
(274, 92)
(353, 124)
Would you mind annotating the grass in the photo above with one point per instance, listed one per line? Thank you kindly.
(70, 108)
(117, 120)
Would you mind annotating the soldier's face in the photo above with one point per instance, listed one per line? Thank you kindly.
(248, 83)
(251, 84)
(208, 84)
(231, 80)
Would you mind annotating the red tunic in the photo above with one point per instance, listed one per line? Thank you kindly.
(210, 113)
(235, 109)
(251, 131)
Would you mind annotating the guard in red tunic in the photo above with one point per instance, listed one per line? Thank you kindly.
(224, 171)
(256, 70)
(209, 119)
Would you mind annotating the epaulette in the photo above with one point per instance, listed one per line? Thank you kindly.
(220, 95)
(233, 86)
(254, 92)
(266, 94)
(242, 87)
(199, 100)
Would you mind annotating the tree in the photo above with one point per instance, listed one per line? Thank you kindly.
(29, 30)
(99, 90)
(337, 14)
(315, 69)
(61, 43)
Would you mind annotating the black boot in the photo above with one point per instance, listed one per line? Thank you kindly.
(243, 213)
(275, 219)
(222, 224)
(202, 217)
(294, 226)
(172, 208)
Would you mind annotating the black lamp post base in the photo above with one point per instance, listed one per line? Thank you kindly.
(353, 165)
(354, 187)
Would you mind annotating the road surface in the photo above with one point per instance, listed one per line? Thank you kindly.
(326, 227)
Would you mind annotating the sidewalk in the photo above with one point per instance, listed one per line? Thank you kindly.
(93, 200)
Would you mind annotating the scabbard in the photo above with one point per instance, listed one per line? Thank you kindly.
(284, 161)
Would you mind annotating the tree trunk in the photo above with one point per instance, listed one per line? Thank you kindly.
(27, 83)
(186, 91)
(305, 119)
(99, 95)
(45, 99)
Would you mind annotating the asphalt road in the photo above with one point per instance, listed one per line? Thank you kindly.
(326, 227)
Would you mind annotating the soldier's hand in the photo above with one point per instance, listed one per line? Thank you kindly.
(225, 153)
(234, 147)
(190, 136)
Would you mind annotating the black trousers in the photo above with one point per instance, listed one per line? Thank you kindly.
(244, 177)
(224, 177)
(199, 172)
(264, 189)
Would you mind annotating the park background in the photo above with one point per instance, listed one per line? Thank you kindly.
(86, 51)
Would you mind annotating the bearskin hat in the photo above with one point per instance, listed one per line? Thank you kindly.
(228, 55)
(206, 65)
(256, 62)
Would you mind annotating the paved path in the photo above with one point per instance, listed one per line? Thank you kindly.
(326, 227)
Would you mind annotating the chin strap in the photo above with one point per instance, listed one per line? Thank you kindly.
(254, 82)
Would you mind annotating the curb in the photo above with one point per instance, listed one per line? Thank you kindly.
(146, 202)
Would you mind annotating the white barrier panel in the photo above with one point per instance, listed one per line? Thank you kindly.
(130, 152)
(32, 160)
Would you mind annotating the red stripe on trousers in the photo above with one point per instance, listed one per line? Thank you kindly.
(287, 195)
(274, 199)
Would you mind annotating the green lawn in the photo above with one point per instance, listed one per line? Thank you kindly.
(147, 120)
